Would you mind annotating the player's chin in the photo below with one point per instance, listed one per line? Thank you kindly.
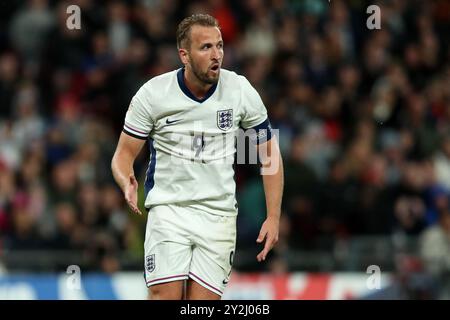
(213, 77)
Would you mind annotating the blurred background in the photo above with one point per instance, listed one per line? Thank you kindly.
(364, 128)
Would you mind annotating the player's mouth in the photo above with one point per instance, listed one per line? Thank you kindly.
(215, 68)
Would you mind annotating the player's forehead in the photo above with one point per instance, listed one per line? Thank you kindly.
(203, 34)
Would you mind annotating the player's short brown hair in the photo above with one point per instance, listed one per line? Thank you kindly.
(184, 28)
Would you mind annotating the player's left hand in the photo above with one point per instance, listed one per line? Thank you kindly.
(269, 231)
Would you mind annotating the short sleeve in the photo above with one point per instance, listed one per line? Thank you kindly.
(255, 117)
(254, 111)
(138, 120)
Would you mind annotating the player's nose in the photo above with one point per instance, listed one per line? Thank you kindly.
(216, 54)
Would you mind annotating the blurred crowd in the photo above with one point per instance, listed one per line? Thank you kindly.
(363, 118)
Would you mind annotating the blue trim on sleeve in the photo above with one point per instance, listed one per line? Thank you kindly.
(133, 135)
(150, 178)
(263, 132)
(187, 92)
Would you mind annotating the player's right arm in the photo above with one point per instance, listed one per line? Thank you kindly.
(122, 162)
(136, 129)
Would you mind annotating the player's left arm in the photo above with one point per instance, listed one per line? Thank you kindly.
(273, 180)
(254, 117)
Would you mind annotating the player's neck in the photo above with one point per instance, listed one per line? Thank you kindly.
(198, 88)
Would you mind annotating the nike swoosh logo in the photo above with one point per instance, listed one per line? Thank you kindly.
(225, 281)
(172, 122)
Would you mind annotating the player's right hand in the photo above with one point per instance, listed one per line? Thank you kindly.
(131, 195)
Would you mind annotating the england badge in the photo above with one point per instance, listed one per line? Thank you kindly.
(225, 119)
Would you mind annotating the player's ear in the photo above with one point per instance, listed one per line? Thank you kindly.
(184, 56)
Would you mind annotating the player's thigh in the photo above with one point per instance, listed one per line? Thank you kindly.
(167, 291)
(212, 256)
(168, 250)
(195, 291)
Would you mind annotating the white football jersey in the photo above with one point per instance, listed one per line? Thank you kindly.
(192, 141)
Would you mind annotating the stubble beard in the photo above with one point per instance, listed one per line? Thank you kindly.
(203, 76)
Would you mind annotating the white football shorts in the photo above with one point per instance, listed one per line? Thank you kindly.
(182, 243)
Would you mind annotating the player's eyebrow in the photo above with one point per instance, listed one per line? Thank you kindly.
(210, 43)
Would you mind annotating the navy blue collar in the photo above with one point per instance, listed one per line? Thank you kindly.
(186, 91)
